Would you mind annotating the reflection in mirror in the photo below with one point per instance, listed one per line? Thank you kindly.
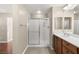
(67, 23)
(58, 23)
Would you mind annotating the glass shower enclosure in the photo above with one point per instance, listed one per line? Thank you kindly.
(38, 33)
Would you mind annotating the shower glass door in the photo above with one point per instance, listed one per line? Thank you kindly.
(34, 32)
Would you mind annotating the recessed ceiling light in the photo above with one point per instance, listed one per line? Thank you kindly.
(38, 11)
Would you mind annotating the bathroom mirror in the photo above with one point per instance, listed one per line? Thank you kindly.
(58, 22)
(67, 22)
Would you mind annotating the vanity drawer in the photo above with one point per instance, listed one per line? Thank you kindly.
(70, 46)
(67, 51)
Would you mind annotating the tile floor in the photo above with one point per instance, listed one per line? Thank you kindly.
(39, 50)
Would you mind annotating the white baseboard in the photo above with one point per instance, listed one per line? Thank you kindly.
(24, 50)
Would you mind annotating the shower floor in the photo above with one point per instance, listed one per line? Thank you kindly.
(39, 50)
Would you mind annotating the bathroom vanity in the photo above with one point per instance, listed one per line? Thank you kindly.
(66, 43)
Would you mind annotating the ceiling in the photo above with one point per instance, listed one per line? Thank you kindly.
(5, 8)
(30, 7)
(77, 9)
(43, 7)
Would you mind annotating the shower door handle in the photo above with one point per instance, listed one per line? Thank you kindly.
(39, 31)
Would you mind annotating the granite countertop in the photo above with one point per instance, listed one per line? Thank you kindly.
(71, 38)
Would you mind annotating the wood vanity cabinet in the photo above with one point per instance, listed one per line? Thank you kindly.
(63, 47)
(57, 44)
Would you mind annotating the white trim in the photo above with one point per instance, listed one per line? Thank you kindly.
(25, 49)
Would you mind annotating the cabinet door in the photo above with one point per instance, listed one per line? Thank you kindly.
(59, 46)
(55, 44)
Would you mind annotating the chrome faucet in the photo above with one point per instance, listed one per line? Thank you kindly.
(65, 33)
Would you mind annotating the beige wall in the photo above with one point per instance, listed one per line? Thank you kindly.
(50, 13)
(3, 27)
(20, 17)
